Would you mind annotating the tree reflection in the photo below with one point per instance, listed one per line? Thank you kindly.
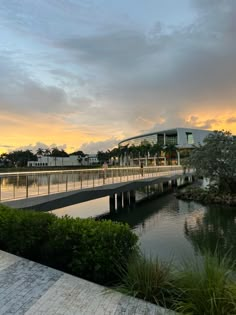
(214, 230)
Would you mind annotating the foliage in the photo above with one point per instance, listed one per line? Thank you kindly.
(79, 153)
(170, 152)
(206, 287)
(216, 160)
(84, 247)
(24, 232)
(148, 279)
(58, 153)
(103, 156)
(18, 158)
(200, 286)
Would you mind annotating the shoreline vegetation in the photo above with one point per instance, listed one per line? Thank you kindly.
(206, 196)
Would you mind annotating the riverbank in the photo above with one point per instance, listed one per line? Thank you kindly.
(206, 196)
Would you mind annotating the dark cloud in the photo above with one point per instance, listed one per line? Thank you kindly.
(166, 74)
(116, 49)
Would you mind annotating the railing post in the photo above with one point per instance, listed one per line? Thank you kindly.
(0, 188)
(66, 182)
(48, 184)
(26, 187)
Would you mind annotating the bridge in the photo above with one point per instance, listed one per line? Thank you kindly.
(47, 190)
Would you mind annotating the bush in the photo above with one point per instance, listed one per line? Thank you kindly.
(84, 247)
(207, 287)
(24, 232)
(89, 248)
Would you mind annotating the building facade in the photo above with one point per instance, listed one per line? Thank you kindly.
(72, 160)
(182, 139)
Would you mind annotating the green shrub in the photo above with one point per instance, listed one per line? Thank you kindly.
(148, 279)
(89, 248)
(84, 247)
(206, 287)
(23, 232)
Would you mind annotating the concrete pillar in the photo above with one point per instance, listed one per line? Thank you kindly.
(112, 203)
(178, 157)
(119, 200)
(126, 199)
(132, 197)
(161, 187)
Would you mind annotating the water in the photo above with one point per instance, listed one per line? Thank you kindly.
(86, 209)
(171, 228)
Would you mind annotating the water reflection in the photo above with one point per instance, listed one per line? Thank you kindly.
(214, 227)
(85, 209)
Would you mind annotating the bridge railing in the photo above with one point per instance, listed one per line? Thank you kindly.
(28, 184)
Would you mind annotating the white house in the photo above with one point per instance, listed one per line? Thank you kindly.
(72, 160)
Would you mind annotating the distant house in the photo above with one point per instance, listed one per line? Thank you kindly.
(72, 160)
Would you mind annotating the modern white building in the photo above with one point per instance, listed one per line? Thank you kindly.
(182, 138)
(72, 160)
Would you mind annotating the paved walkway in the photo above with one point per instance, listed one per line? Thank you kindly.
(29, 288)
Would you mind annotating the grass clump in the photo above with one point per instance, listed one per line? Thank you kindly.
(147, 278)
(200, 287)
(206, 287)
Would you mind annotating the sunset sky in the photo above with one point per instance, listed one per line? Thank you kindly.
(84, 74)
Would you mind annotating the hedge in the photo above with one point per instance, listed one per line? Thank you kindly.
(84, 247)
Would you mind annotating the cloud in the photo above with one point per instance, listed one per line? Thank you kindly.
(37, 145)
(20, 93)
(231, 120)
(171, 75)
(94, 147)
(90, 81)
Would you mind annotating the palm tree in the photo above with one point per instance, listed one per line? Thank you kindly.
(47, 153)
(40, 151)
(170, 152)
(156, 150)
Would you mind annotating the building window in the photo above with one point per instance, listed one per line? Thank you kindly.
(190, 139)
(171, 139)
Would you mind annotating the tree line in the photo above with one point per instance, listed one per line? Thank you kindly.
(20, 158)
(144, 150)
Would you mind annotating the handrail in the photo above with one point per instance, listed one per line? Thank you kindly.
(18, 185)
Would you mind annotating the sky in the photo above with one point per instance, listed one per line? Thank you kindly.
(85, 74)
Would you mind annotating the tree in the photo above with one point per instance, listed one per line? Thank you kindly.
(156, 150)
(58, 153)
(40, 151)
(103, 156)
(20, 158)
(170, 152)
(216, 160)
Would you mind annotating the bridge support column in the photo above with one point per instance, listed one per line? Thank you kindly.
(132, 197)
(161, 189)
(119, 200)
(112, 203)
(126, 199)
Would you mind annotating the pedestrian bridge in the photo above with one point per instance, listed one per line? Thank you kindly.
(45, 190)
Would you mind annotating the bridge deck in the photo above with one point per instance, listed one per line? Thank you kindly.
(29, 288)
(63, 199)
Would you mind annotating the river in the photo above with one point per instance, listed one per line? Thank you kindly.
(170, 228)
